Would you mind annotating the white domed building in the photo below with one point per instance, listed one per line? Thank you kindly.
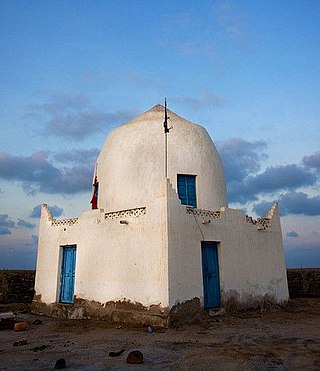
(160, 243)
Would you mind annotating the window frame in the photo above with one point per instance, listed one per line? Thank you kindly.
(187, 189)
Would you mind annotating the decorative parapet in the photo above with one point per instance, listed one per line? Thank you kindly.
(126, 213)
(204, 213)
(261, 223)
(69, 222)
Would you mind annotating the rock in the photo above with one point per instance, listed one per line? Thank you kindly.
(20, 342)
(41, 347)
(7, 321)
(37, 322)
(135, 357)
(61, 363)
(20, 326)
(116, 354)
(149, 329)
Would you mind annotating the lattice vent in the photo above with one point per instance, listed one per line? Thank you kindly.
(204, 213)
(126, 213)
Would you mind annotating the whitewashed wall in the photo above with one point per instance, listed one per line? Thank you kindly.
(251, 261)
(114, 261)
(131, 164)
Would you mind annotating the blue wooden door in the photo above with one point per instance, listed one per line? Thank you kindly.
(68, 274)
(210, 273)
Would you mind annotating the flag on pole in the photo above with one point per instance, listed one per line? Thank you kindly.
(94, 200)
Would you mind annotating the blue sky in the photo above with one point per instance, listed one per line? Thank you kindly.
(71, 71)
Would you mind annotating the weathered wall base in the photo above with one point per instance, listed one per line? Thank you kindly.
(125, 312)
(233, 303)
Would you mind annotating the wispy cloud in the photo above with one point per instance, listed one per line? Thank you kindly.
(55, 210)
(292, 234)
(312, 161)
(72, 117)
(143, 81)
(37, 173)
(6, 224)
(294, 203)
(231, 17)
(206, 99)
(80, 125)
(77, 156)
(23, 224)
(58, 103)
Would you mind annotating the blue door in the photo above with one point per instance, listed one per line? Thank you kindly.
(210, 273)
(67, 274)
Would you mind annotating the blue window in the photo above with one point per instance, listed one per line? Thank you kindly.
(187, 189)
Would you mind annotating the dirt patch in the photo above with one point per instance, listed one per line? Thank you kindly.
(286, 339)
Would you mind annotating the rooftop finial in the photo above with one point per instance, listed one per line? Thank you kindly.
(165, 124)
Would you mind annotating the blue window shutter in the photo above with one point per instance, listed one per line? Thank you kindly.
(187, 190)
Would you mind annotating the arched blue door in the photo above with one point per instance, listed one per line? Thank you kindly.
(67, 274)
(210, 274)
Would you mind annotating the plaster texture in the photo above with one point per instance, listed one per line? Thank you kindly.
(142, 246)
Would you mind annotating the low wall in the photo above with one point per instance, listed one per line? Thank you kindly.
(304, 282)
(16, 286)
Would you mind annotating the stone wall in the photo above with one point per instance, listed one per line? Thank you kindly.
(16, 286)
(304, 282)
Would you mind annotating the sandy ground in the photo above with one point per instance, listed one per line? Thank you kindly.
(288, 339)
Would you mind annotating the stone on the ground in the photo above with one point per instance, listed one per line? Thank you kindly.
(20, 326)
(135, 357)
(61, 363)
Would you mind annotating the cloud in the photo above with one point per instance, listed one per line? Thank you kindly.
(206, 99)
(71, 117)
(55, 211)
(23, 224)
(37, 174)
(142, 81)
(231, 18)
(77, 156)
(273, 179)
(59, 102)
(296, 203)
(4, 230)
(241, 158)
(312, 161)
(80, 125)
(6, 224)
(5, 221)
(292, 234)
(299, 203)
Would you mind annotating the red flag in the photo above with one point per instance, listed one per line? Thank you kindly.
(94, 200)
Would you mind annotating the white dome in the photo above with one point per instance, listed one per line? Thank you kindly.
(131, 165)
